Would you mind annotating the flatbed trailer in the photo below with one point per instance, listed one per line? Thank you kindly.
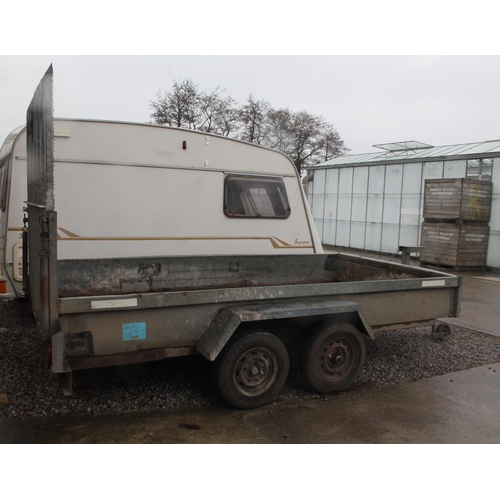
(237, 310)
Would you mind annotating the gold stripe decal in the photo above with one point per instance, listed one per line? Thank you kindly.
(69, 233)
(275, 242)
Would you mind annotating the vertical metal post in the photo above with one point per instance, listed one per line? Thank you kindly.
(383, 206)
(26, 282)
(337, 209)
(366, 206)
(420, 205)
(52, 268)
(401, 203)
(352, 203)
(43, 256)
(324, 206)
(48, 275)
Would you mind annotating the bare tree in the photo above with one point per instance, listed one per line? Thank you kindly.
(252, 117)
(306, 138)
(185, 107)
(306, 130)
(218, 114)
(332, 144)
(227, 119)
(177, 108)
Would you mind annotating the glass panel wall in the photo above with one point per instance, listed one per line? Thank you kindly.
(375, 205)
(392, 208)
(330, 214)
(454, 169)
(344, 206)
(380, 207)
(411, 208)
(432, 170)
(359, 200)
(493, 258)
(495, 198)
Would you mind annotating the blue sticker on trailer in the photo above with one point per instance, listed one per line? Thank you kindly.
(134, 331)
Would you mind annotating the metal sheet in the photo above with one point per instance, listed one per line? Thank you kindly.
(40, 144)
(42, 220)
(228, 319)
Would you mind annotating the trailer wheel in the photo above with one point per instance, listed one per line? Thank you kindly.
(333, 357)
(252, 369)
(441, 332)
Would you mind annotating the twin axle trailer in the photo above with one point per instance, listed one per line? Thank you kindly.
(169, 242)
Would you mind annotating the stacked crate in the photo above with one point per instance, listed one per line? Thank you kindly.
(455, 230)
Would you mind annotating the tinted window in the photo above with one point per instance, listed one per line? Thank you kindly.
(3, 186)
(255, 197)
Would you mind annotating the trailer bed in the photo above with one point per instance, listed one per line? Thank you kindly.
(172, 301)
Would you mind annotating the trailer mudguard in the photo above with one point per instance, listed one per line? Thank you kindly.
(228, 319)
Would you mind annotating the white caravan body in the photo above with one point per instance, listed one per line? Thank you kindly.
(126, 190)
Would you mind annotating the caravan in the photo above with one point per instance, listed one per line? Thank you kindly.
(154, 190)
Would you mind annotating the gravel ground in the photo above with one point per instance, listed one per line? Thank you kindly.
(25, 385)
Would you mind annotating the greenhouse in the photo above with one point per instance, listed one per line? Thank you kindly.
(374, 201)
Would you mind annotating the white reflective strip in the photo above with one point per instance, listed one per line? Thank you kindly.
(110, 304)
(434, 283)
(62, 133)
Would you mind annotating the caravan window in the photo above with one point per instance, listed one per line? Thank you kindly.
(246, 196)
(3, 186)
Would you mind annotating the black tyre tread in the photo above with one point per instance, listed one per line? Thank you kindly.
(225, 362)
(441, 332)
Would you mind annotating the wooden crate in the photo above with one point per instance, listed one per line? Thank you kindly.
(464, 199)
(460, 245)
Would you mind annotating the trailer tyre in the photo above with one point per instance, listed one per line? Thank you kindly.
(441, 332)
(252, 369)
(333, 357)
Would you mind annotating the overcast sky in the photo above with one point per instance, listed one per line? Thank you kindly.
(370, 100)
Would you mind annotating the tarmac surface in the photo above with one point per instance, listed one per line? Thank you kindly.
(460, 407)
(480, 305)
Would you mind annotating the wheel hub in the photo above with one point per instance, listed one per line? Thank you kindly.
(336, 359)
(255, 371)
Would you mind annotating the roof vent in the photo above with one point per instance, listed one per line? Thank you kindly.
(403, 146)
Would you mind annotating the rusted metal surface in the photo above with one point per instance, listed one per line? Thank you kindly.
(182, 318)
(353, 268)
(79, 344)
(93, 277)
(81, 363)
(162, 274)
(224, 296)
(228, 319)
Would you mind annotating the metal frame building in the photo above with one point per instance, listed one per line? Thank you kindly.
(374, 201)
